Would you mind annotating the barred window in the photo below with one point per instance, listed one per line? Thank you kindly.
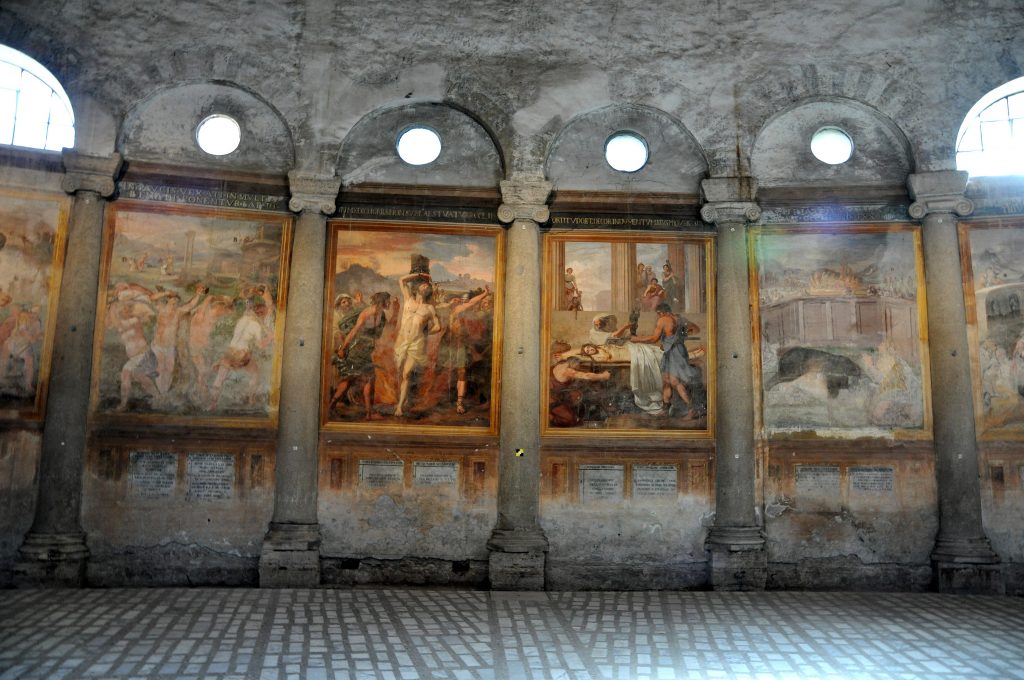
(991, 138)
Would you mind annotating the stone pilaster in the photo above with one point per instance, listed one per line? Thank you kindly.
(54, 551)
(518, 545)
(962, 560)
(291, 548)
(736, 541)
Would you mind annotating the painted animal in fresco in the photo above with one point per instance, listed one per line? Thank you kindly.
(795, 362)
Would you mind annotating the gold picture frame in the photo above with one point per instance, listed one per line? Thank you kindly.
(597, 381)
(446, 363)
(191, 308)
(870, 326)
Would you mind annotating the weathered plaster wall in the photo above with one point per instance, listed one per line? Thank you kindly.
(19, 466)
(844, 519)
(151, 519)
(609, 532)
(1002, 499)
(410, 524)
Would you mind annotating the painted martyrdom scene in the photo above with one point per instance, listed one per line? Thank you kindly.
(191, 315)
(997, 264)
(31, 233)
(627, 334)
(410, 332)
(840, 326)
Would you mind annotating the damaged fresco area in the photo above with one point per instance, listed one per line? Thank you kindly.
(847, 522)
(621, 525)
(996, 281)
(840, 325)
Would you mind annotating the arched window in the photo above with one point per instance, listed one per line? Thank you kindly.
(34, 110)
(991, 138)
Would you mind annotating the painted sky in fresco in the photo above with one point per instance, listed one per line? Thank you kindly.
(389, 254)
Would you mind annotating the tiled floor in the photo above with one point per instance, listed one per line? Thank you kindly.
(433, 633)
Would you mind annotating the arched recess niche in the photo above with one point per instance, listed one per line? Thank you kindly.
(676, 162)
(469, 157)
(782, 155)
(162, 129)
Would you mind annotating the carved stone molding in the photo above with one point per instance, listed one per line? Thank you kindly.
(313, 192)
(524, 198)
(939, 192)
(518, 540)
(90, 173)
(730, 213)
(729, 200)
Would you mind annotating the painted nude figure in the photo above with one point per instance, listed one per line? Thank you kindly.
(419, 319)
(169, 314)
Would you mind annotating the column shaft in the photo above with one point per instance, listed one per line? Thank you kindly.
(734, 437)
(962, 560)
(291, 549)
(518, 545)
(736, 541)
(520, 392)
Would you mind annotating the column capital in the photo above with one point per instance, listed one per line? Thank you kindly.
(524, 198)
(939, 192)
(90, 173)
(729, 200)
(311, 191)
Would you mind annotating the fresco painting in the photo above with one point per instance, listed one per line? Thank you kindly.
(840, 319)
(412, 327)
(628, 333)
(191, 313)
(996, 283)
(32, 228)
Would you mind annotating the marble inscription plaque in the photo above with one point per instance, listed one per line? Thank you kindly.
(211, 476)
(872, 479)
(601, 482)
(818, 480)
(434, 473)
(653, 481)
(152, 474)
(377, 474)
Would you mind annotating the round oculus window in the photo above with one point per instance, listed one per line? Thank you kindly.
(218, 135)
(419, 146)
(831, 145)
(626, 151)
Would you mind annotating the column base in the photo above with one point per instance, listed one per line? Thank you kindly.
(739, 560)
(291, 556)
(967, 566)
(517, 559)
(51, 561)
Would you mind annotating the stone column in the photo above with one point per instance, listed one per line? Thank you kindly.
(518, 545)
(291, 549)
(736, 541)
(962, 560)
(54, 552)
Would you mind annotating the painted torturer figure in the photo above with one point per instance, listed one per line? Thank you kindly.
(354, 357)
(677, 373)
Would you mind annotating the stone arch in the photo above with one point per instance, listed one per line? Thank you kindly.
(161, 128)
(760, 98)
(576, 160)
(781, 154)
(470, 155)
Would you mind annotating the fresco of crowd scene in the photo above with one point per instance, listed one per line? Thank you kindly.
(411, 334)
(190, 318)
